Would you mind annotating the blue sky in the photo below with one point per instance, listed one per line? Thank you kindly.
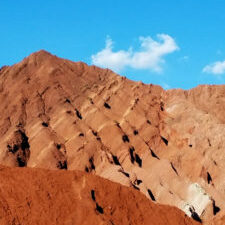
(183, 41)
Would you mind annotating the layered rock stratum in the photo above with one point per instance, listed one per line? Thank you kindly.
(167, 147)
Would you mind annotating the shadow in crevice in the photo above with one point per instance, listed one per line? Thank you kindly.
(174, 169)
(92, 165)
(151, 195)
(20, 148)
(153, 154)
(138, 160)
(135, 187)
(99, 208)
(115, 160)
(62, 165)
(125, 138)
(67, 101)
(164, 140)
(195, 216)
(125, 173)
(209, 178)
(44, 124)
(78, 114)
(93, 195)
(107, 106)
(216, 209)
(81, 134)
(149, 122)
(58, 146)
(131, 151)
(95, 133)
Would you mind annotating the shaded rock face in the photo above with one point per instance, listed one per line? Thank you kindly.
(57, 114)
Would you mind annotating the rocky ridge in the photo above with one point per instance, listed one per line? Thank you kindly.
(57, 114)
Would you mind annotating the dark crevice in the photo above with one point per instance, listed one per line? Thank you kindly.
(125, 173)
(13, 149)
(174, 169)
(20, 161)
(62, 165)
(151, 195)
(67, 101)
(154, 155)
(216, 209)
(139, 182)
(190, 146)
(95, 133)
(195, 216)
(149, 122)
(115, 160)
(135, 132)
(58, 146)
(118, 124)
(86, 169)
(135, 187)
(93, 195)
(25, 144)
(164, 140)
(209, 142)
(20, 148)
(107, 106)
(91, 101)
(44, 124)
(91, 161)
(98, 139)
(209, 178)
(162, 106)
(99, 208)
(81, 134)
(125, 138)
(131, 151)
(138, 160)
(78, 114)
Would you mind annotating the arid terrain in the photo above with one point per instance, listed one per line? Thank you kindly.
(102, 149)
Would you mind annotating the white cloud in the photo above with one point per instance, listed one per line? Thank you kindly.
(150, 56)
(215, 68)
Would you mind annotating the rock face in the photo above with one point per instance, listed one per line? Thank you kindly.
(169, 145)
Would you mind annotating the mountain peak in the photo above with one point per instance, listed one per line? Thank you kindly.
(40, 56)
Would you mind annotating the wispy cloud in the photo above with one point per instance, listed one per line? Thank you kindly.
(216, 68)
(150, 56)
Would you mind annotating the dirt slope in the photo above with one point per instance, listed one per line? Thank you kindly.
(37, 196)
(57, 114)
